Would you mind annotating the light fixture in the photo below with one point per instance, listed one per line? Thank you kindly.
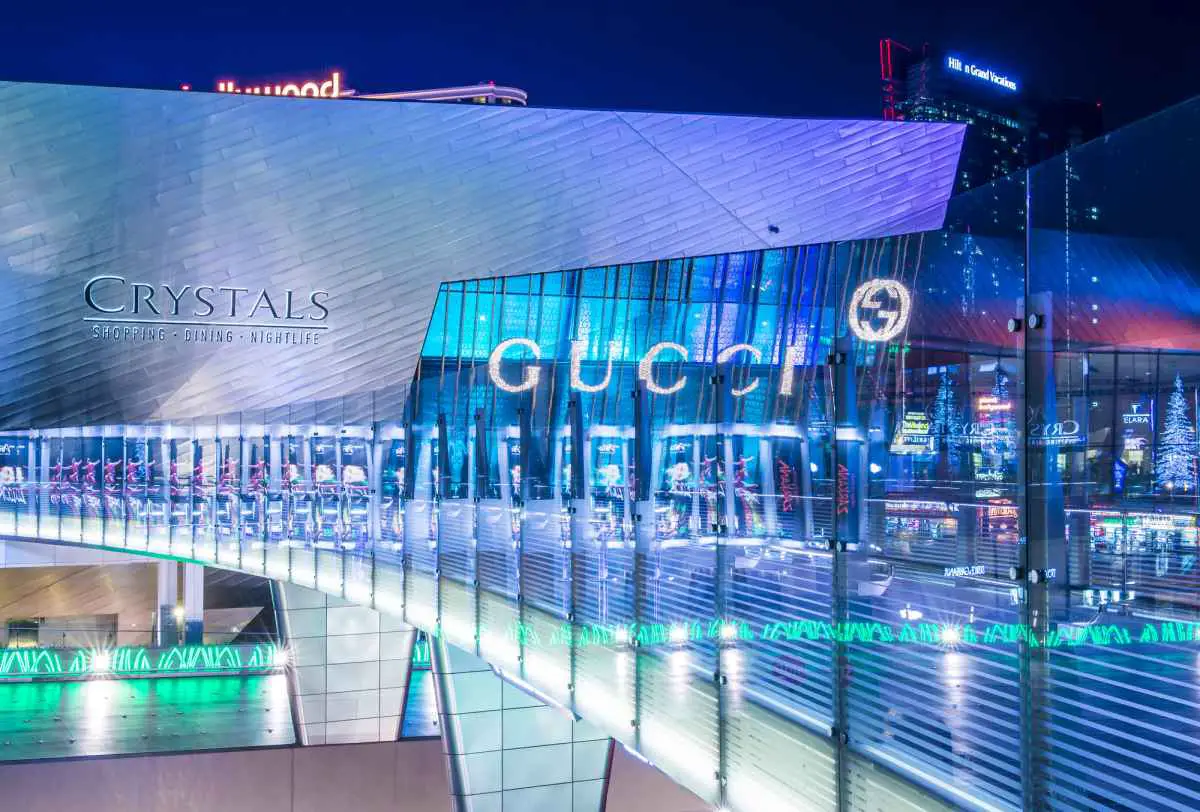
(621, 636)
(101, 662)
(951, 635)
(678, 634)
(281, 658)
(728, 631)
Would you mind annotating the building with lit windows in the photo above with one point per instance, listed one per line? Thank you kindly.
(1010, 125)
(704, 436)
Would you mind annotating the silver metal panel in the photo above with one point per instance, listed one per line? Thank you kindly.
(376, 203)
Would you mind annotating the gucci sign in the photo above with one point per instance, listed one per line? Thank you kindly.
(879, 310)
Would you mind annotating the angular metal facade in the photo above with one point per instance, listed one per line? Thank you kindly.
(374, 204)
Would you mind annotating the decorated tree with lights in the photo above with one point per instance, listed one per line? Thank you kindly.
(1175, 460)
(946, 424)
(1000, 441)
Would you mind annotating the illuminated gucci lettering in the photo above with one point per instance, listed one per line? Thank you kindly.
(729, 352)
(648, 360)
(532, 374)
(792, 359)
(879, 300)
(794, 356)
(578, 348)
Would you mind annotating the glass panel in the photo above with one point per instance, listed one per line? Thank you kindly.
(1113, 456)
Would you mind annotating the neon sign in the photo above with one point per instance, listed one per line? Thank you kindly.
(879, 310)
(875, 301)
(991, 403)
(330, 88)
(981, 73)
(912, 435)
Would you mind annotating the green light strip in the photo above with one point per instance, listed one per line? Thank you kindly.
(126, 661)
(855, 633)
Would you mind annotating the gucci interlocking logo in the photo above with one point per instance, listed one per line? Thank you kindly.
(879, 310)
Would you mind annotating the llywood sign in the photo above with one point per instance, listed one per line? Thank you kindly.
(329, 88)
(879, 310)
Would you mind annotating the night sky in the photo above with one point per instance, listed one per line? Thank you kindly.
(783, 58)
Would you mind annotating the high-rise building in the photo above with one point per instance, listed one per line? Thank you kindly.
(925, 84)
(1010, 125)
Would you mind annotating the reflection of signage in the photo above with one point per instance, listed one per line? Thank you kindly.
(912, 435)
(1002, 511)
(915, 427)
(976, 433)
(879, 310)
(125, 311)
(1134, 417)
(991, 403)
(978, 72)
(960, 572)
(916, 506)
(330, 88)
(843, 490)
(1063, 432)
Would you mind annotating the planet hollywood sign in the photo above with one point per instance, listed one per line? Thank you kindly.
(879, 311)
(330, 88)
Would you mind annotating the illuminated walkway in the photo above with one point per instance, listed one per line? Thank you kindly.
(68, 719)
(727, 688)
(657, 688)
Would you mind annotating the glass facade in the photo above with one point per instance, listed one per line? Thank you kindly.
(909, 520)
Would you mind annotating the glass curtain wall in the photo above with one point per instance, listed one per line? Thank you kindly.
(754, 509)
(920, 506)
(1114, 268)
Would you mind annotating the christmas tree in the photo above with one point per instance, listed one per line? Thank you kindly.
(1175, 459)
(946, 425)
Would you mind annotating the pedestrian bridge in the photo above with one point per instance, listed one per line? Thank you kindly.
(720, 631)
(588, 604)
